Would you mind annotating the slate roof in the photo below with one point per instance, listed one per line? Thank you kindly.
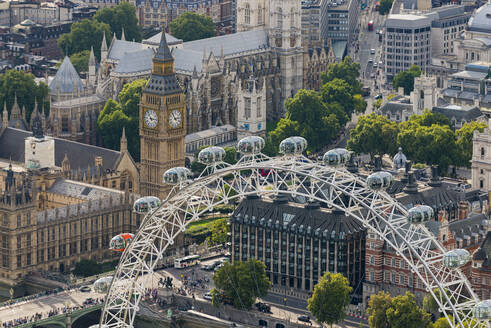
(484, 251)
(467, 227)
(470, 75)
(231, 43)
(486, 41)
(135, 61)
(66, 79)
(191, 54)
(209, 133)
(395, 107)
(120, 47)
(459, 114)
(155, 40)
(81, 190)
(296, 217)
(12, 146)
(163, 85)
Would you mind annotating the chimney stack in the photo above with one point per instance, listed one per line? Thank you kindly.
(435, 178)
(412, 186)
(377, 161)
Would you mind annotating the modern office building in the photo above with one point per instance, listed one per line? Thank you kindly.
(339, 21)
(447, 24)
(407, 42)
(298, 242)
(311, 23)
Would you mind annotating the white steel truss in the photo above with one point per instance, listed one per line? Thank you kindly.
(295, 176)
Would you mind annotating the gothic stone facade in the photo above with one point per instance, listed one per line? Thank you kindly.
(49, 223)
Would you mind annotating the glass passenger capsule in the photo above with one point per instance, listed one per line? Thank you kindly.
(146, 204)
(420, 214)
(176, 175)
(211, 155)
(336, 157)
(101, 285)
(380, 180)
(120, 242)
(293, 146)
(456, 258)
(250, 145)
(482, 310)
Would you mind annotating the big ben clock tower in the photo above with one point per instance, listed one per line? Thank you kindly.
(162, 124)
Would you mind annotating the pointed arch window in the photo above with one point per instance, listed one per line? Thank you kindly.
(279, 18)
(247, 14)
(260, 14)
(292, 18)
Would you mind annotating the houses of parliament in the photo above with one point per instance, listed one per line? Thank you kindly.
(62, 197)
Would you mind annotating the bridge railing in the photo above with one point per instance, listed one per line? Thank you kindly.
(59, 318)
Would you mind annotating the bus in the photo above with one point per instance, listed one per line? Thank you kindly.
(187, 261)
(370, 25)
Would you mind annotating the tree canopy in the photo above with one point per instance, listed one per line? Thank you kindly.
(191, 26)
(426, 138)
(330, 298)
(241, 282)
(122, 16)
(398, 312)
(124, 113)
(374, 135)
(385, 6)
(405, 79)
(347, 70)
(17, 83)
(83, 35)
(219, 230)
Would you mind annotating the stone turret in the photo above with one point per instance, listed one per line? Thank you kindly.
(92, 69)
(123, 142)
(104, 48)
(5, 116)
(15, 113)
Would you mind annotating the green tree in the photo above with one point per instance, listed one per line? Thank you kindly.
(80, 61)
(330, 298)
(87, 268)
(428, 144)
(405, 313)
(116, 115)
(313, 119)
(464, 141)
(16, 83)
(385, 6)
(377, 310)
(339, 91)
(405, 79)
(219, 230)
(192, 26)
(441, 323)
(82, 36)
(429, 118)
(374, 134)
(241, 282)
(110, 124)
(346, 70)
(122, 16)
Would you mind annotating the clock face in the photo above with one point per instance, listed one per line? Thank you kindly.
(175, 119)
(151, 119)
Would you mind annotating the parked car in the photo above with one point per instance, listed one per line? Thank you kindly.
(208, 296)
(379, 96)
(304, 318)
(372, 51)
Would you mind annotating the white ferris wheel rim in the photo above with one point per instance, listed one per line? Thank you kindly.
(376, 210)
